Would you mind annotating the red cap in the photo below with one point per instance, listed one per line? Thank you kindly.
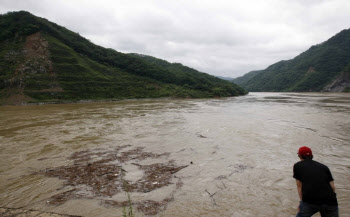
(305, 151)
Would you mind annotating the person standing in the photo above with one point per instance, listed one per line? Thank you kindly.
(315, 186)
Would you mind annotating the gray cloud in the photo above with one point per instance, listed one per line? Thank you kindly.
(227, 38)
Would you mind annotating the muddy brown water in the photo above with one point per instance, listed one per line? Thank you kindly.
(242, 151)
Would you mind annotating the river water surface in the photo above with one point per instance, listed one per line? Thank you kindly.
(242, 151)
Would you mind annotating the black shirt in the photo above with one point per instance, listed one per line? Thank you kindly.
(315, 177)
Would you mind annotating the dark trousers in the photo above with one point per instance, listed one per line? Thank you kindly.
(307, 210)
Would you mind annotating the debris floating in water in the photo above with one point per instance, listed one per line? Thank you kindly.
(99, 173)
(17, 212)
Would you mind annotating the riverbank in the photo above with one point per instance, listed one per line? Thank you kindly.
(87, 101)
(106, 101)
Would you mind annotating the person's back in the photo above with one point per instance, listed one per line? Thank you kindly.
(315, 186)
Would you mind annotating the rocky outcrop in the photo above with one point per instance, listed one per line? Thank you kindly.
(339, 84)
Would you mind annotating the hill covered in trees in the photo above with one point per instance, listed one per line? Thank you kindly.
(41, 61)
(323, 67)
(187, 75)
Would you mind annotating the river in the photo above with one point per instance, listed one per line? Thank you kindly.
(232, 156)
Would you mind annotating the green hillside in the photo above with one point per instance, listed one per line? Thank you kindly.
(243, 79)
(189, 77)
(312, 70)
(42, 61)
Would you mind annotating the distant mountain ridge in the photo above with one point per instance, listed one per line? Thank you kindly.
(41, 61)
(225, 78)
(246, 77)
(178, 68)
(323, 67)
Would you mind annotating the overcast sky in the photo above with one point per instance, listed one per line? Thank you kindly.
(226, 38)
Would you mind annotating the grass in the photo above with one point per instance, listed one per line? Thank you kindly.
(128, 210)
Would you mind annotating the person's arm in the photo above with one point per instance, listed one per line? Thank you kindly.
(332, 185)
(299, 187)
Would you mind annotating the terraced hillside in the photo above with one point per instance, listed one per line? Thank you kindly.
(41, 61)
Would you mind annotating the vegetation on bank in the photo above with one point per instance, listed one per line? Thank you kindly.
(312, 70)
(76, 69)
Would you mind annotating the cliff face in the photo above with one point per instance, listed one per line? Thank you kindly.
(340, 84)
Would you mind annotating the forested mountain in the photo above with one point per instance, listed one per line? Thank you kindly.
(42, 61)
(225, 78)
(323, 67)
(187, 75)
(243, 79)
